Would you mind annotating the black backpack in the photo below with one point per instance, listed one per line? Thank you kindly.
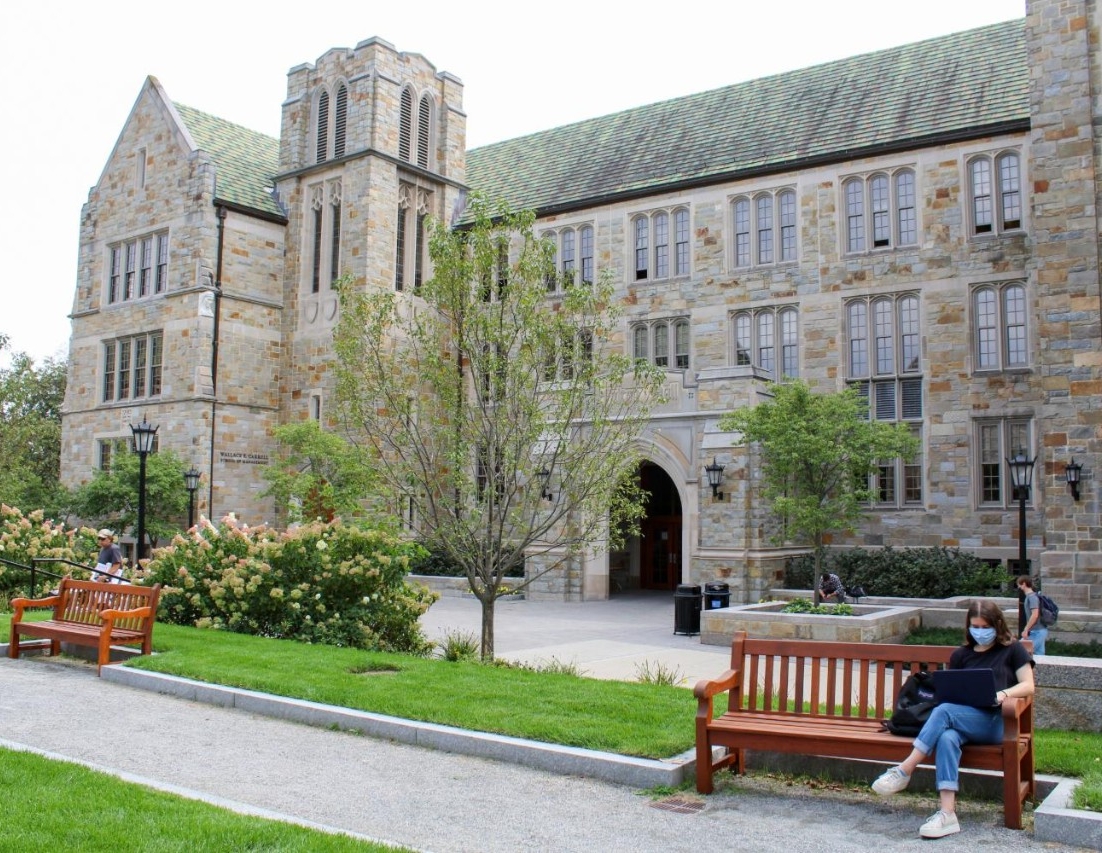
(913, 706)
(1049, 610)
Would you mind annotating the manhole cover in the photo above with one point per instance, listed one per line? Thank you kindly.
(680, 805)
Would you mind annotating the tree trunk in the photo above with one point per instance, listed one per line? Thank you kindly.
(488, 602)
(815, 581)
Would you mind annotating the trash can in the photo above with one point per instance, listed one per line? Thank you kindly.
(686, 609)
(717, 594)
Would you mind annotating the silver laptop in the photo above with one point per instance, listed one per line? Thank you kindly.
(975, 687)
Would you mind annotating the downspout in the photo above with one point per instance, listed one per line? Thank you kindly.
(214, 354)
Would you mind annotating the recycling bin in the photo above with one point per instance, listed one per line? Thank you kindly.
(717, 594)
(686, 609)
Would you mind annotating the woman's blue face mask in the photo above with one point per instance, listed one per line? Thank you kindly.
(982, 636)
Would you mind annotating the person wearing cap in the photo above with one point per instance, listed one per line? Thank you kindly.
(109, 563)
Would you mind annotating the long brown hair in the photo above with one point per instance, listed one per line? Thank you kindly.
(988, 610)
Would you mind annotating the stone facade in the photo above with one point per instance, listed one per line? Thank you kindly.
(279, 307)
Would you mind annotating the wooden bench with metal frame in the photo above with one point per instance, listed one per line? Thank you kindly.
(90, 613)
(811, 697)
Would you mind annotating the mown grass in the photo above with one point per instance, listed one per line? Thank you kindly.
(1088, 794)
(645, 720)
(55, 805)
(954, 637)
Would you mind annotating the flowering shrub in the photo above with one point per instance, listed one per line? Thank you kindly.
(32, 536)
(319, 583)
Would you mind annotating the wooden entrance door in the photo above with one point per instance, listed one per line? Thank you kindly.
(661, 553)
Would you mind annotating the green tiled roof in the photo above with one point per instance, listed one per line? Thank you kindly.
(951, 86)
(245, 160)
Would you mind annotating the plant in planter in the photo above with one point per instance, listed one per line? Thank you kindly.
(819, 453)
(803, 605)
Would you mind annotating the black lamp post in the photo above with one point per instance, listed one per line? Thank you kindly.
(715, 478)
(191, 481)
(144, 435)
(1021, 477)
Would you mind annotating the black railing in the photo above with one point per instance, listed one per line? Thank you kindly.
(34, 570)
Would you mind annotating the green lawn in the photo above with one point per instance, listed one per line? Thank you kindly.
(55, 805)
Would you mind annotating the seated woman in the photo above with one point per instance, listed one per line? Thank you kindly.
(988, 644)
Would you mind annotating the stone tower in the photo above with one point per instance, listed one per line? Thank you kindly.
(1066, 153)
(372, 143)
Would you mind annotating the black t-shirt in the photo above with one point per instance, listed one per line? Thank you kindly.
(1004, 661)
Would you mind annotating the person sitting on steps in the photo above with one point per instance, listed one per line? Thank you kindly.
(988, 645)
(831, 589)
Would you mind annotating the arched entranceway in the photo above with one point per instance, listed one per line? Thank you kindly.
(660, 530)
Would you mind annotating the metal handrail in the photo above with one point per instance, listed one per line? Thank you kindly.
(33, 569)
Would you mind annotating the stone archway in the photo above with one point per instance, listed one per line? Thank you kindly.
(653, 559)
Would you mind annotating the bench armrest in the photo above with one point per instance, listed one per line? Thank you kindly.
(1014, 713)
(707, 688)
(20, 604)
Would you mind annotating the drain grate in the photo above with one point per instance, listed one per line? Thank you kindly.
(678, 805)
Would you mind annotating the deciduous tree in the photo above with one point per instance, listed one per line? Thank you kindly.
(30, 432)
(110, 498)
(501, 413)
(319, 475)
(817, 454)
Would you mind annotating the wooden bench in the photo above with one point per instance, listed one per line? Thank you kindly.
(90, 613)
(822, 698)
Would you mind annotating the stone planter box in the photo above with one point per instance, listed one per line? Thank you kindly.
(458, 587)
(868, 624)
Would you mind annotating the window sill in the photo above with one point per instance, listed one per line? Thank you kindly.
(644, 281)
(986, 372)
(765, 267)
(881, 250)
(983, 238)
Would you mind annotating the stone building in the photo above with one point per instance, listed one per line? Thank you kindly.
(921, 222)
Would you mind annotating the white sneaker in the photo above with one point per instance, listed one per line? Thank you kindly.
(940, 825)
(892, 782)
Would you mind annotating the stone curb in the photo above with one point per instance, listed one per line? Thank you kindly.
(1055, 820)
(566, 760)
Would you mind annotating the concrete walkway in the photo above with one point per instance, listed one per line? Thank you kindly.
(604, 639)
(436, 801)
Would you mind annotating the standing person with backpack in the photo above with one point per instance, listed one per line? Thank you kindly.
(988, 644)
(1036, 626)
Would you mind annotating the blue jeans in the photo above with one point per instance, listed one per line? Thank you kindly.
(1038, 635)
(948, 729)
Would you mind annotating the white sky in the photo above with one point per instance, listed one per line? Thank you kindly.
(71, 73)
